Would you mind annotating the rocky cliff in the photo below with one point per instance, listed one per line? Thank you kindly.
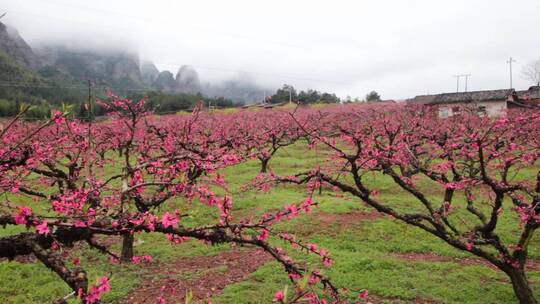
(12, 44)
(104, 68)
(149, 72)
(121, 71)
(165, 82)
(64, 64)
(188, 80)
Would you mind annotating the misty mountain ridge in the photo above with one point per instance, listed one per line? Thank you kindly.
(12, 44)
(115, 69)
(120, 70)
(236, 89)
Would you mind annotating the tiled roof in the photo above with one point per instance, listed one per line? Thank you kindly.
(466, 97)
(423, 99)
(531, 93)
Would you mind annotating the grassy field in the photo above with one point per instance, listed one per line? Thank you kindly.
(368, 249)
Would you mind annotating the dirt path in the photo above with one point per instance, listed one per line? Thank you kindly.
(345, 220)
(204, 276)
(207, 276)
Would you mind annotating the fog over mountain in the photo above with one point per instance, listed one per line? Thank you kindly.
(15, 47)
(242, 88)
(115, 68)
(348, 47)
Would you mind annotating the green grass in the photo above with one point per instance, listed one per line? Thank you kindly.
(361, 251)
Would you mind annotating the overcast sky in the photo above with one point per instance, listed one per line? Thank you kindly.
(398, 48)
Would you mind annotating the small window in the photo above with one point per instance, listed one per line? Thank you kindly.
(481, 110)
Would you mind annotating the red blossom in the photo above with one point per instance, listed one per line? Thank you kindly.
(43, 228)
(21, 218)
(279, 297)
(169, 220)
(364, 295)
(96, 292)
(264, 235)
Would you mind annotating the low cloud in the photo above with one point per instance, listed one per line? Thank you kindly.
(399, 48)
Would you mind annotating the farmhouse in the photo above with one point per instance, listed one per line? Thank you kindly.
(491, 103)
(530, 96)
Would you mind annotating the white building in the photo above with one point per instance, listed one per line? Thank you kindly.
(492, 103)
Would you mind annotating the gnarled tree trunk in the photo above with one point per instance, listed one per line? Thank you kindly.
(264, 164)
(521, 285)
(127, 247)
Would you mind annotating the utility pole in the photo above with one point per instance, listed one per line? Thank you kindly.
(457, 85)
(510, 63)
(90, 110)
(290, 94)
(466, 80)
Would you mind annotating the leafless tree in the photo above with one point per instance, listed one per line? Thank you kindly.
(531, 71)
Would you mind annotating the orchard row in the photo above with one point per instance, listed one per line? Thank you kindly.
(69, 182)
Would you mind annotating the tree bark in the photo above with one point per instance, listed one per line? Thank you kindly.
(127, 247)
(521, 285)
(264, 164)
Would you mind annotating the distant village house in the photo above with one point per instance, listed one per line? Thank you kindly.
(492, 103)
